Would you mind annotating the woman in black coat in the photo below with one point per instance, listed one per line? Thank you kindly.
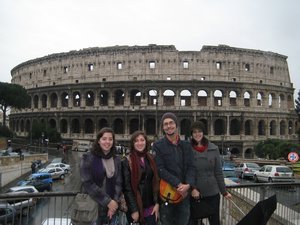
(140, 182)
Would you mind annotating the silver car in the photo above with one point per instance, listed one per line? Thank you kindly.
(56, 172)
(246, 169)
(274, 173)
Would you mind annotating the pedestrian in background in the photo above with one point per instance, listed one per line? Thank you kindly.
(174, 160)
(140, 182)
(100, 172)
(209, 176)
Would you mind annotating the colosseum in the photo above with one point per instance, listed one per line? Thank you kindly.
(243, 96)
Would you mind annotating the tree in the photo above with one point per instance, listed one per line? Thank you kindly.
(12, 95)
(274, 149)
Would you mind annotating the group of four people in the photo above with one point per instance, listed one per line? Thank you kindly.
(193, 168)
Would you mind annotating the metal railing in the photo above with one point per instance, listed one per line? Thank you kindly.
(245, 197)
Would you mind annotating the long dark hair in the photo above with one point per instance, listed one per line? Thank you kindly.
(203, 142)
(96, 147)
(134, 136)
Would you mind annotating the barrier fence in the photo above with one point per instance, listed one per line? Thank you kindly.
(34, 208)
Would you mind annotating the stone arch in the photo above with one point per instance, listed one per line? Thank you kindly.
(103, 98)
(88, 126)
(247, 98)
(119, 97)
(261, 127)
(169, 97)
(64, 99)
(36, 101)
(44, 100)
(248, 127)
(233, 98)
(219, 127)
(27, 125)
(249, 153)
(205, 122)
(235, 127)
(118, 126)
(185, 98)
(53, 100)
(22, 126)
(202, 98)
(282, 127)
(102, 123)
(259, 99)
(235, 151)
(273, 127)
(152, 97)
(291, 127)
(281, 100)
(89, 98)
(52, 123)
(75, 126)
(135, 97)
(133, 125)
(63, 126)
(271, 100)
(185, 125)
(218, 98)
(76, 98)
(150, 126)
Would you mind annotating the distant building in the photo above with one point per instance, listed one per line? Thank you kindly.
(243, 96)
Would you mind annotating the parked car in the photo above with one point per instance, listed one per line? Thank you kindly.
(274, 173)
(45, 177)
(65, 167)
(7, 213)
(227, 163)
(57, 160)
(40, 185)
(21, 205)
(229, 173)
(247, 169)
(57, 221)
(56, 172)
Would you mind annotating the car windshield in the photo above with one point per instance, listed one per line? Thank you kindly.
(229, 173)
(252, 165)
(283, 169)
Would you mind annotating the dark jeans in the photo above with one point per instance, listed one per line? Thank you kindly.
(215, 218)
(175, 214)
(150, 220)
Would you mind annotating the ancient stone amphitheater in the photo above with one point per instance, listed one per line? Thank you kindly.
(243, 96)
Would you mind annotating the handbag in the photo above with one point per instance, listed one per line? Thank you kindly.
(168, 193)
(200, 208)
(122, 204)
(84, 210)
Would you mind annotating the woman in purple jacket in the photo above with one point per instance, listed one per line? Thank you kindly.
(100, 172)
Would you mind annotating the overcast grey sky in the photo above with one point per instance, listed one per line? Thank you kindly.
(34, 28)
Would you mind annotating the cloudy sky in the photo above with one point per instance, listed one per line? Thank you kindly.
(35, 28)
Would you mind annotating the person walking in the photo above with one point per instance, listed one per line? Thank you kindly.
(209, 176)
(101, 177)
(174, 160)
(140, 182)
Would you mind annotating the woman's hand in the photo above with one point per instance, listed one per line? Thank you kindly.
(112, 206)
(156, 211)
(135, 216)
(195, 194)
(183, 189)
(228, 196)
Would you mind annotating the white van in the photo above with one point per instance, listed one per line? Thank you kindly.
(82, 145)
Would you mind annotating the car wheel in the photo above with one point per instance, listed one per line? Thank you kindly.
(270, 180)
(62, 176)
(255, 179)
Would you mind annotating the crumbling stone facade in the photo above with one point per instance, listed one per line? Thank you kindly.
(243, 96)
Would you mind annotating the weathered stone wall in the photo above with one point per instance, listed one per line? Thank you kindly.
(79, 92)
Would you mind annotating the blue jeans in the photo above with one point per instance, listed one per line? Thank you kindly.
(175, 214)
